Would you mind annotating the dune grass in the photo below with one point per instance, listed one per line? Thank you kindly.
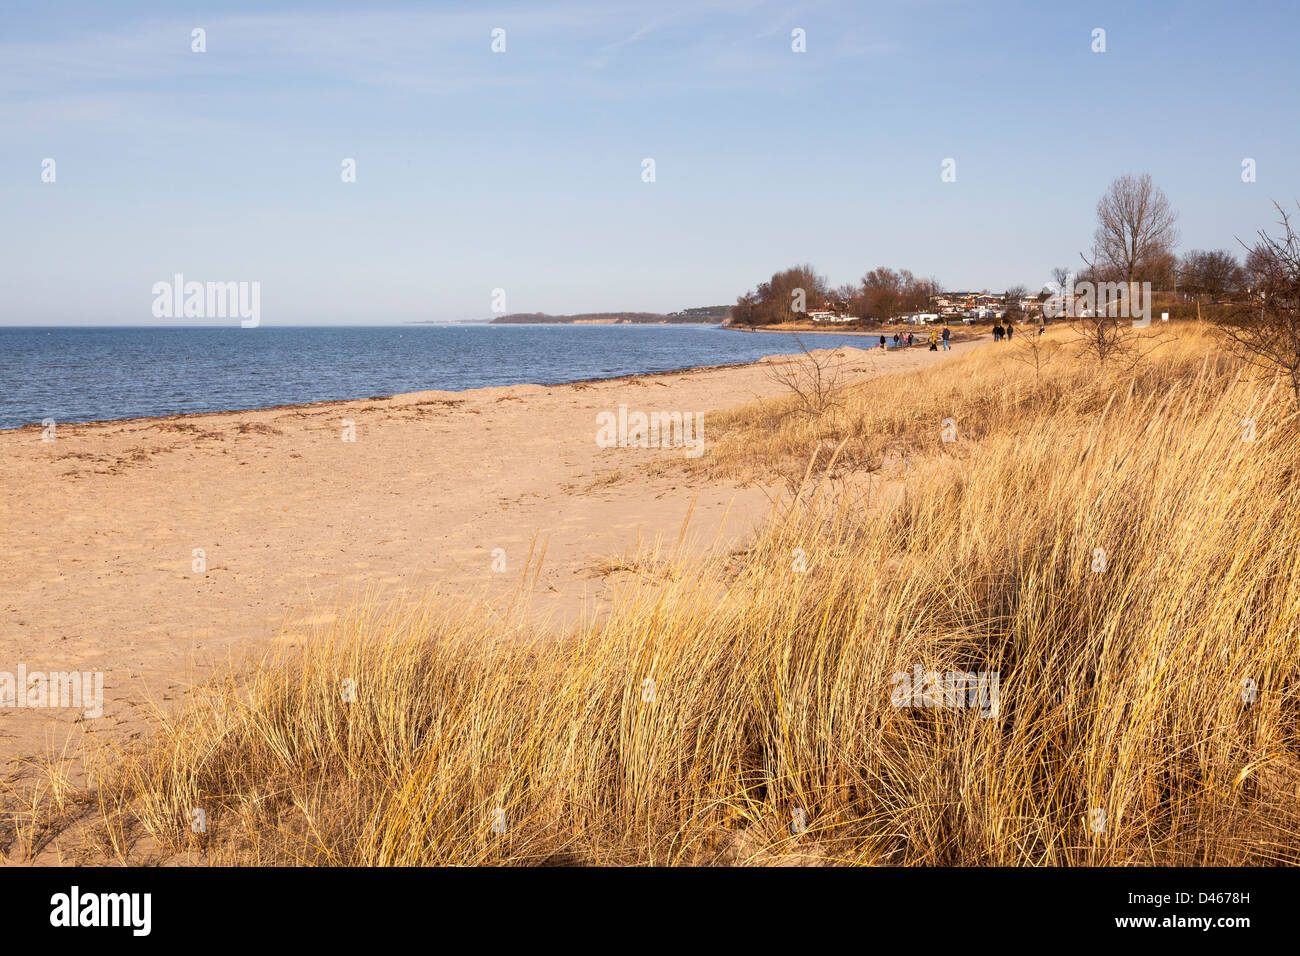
(1107, 543)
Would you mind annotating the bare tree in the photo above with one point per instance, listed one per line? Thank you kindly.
(1061, 289)
(1035, 352)
(1111, 338)
(936, 287)
(786, 297)
(1215, 273)
(1163, 271)
(813, 379)
(841, 298)
(1013, 297)
(1105, 338)
(1062, 276)
(881, 293)
(1265, 331)
(884, 292)
(1135, 230)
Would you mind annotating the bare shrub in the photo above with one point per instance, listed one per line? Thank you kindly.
(1265, 331)
(813, 379)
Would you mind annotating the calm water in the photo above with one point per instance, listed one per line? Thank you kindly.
(85, 374)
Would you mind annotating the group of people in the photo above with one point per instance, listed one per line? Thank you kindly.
(907, 338)
(1001, 331)
(936, 338)
(900, 338)
(942, 337)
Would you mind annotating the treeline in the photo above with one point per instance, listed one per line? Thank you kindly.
(789, 295)
(1135, 242)
(1215, 274)
(704, 313)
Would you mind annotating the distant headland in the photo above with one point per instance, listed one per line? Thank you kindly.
(709, 314)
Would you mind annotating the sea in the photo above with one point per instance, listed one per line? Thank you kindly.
(78, 374)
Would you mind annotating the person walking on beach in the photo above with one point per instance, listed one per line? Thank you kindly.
(1010, 329)
(997, 331)
(882, 343)
(934, 341)
(946, 333)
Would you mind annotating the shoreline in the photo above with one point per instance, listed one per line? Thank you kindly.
(397, 396)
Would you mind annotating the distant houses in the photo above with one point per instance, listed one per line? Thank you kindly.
(826, 315)
(944, 307)
(975, 305)
(982, 306)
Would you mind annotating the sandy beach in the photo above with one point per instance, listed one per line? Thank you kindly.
(103, 526)
(489, 438)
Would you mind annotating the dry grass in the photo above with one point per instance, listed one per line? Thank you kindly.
(722, 703)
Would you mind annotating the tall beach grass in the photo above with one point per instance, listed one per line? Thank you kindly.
(1107, 543)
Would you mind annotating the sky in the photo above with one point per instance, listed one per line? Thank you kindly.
(523, 170)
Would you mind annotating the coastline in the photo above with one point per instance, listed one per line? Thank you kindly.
(396, 396)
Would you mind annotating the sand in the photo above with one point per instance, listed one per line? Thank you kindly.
(101, 526)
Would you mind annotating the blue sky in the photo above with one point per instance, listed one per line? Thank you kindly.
(522, 170)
